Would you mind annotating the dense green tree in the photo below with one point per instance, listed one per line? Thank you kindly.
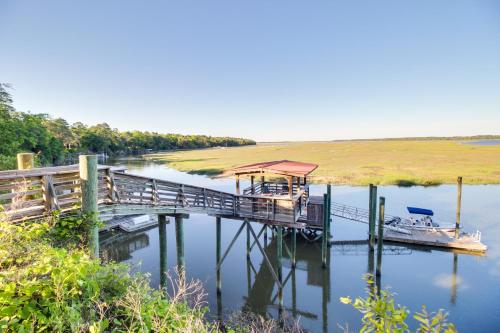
(51, 139)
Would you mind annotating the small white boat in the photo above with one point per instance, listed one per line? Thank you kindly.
(419, 219)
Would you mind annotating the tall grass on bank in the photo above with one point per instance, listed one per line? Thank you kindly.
(394, 162)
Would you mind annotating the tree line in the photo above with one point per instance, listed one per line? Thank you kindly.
(54, 139)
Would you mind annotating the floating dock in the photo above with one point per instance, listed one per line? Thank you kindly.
(437, 238)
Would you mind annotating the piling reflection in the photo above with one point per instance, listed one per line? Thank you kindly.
(264, 295)
(453, 298)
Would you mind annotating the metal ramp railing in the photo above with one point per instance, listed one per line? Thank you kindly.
(361, 215)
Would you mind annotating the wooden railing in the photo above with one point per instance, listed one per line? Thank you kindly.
(274, 188)
(31, 194)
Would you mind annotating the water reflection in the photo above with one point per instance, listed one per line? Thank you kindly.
(262, 291)
(119, 246)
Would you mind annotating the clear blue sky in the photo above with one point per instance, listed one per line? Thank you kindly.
(267, 70)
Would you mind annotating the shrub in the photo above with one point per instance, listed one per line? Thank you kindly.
(381, 314)
(48, 288)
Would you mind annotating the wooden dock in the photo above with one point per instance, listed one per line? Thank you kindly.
(36, 193)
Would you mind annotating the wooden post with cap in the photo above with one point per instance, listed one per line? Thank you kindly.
(88, 181)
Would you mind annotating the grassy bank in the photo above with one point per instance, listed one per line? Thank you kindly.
(401, 162)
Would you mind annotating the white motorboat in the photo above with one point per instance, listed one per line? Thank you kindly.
(419, 219)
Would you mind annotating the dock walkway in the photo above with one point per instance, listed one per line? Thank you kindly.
(36, 193)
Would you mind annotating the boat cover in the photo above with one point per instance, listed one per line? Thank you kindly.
(421, 211)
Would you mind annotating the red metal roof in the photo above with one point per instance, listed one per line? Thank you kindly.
(283, 167)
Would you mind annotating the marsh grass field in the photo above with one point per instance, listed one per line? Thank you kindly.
(384, 162)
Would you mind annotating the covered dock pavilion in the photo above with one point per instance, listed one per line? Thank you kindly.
(294, 172)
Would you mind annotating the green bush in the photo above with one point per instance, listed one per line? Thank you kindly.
(7, 162)
(48, 288)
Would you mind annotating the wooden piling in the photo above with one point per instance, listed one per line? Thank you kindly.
(179, 239)
(25, 161)
(294, 247)
(88, 180)
(329, 213)
(248, 238)
(459, 206)
(279, 250)
(324, 237)
(372, 214)
(218, 252)
(162, 232)
(380, 236)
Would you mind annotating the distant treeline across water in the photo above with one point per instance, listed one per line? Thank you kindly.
(53, 139)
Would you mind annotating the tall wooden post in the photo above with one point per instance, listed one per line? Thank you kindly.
(380, 236)
(324, 237)
(179, 239)
(294, 247)
(218, 256)
(238, 184)
(252, 184)
(290, 186)
(88, 180)
(218, 252)
(25, 161)
(329, 212)
(372, 215)
(294, 294)
(248, 238)
(459, 206)
(279, 250)
(162, 233)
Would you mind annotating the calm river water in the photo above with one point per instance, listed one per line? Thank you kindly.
(467, 286)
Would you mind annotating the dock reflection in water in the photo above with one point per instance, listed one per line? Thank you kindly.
(118, 246)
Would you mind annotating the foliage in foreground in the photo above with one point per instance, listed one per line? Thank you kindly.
(381, 314)
(47, 288)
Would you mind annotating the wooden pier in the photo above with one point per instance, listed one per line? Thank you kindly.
(33, 193)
